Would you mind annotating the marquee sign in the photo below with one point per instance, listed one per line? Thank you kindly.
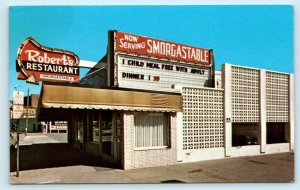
(144, 46)
(150, 74)
(39, 63)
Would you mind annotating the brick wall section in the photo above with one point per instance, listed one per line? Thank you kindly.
(34, 100)
(120, 125)
(133, 159)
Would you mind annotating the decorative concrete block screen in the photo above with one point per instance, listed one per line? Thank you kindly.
(245, 94)
(202, 118)
(277, 97)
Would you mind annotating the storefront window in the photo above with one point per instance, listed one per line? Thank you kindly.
(244, 134)
(277, 132)
(80, 130)
(107, 137)
(96, 131)
(151, 129)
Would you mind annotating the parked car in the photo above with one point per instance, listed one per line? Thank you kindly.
(247, 139)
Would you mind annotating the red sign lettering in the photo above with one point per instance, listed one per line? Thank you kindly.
(36, 62)
(134, 44)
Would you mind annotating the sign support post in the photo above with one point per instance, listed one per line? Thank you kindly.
(41, 64)
(18, 149)
(18, 101)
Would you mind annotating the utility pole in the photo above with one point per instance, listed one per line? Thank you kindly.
(27, 104)
(18, 149)
(18, 111)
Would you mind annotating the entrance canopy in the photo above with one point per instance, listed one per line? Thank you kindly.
(73, 97)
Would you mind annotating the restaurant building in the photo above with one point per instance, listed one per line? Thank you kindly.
(150, 102)
(252, 114)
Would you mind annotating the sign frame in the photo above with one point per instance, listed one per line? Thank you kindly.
(160, 49)
(48, 66)
(113, 52)
(158, 75)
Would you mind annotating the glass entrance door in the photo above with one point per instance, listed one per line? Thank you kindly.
(107, 137)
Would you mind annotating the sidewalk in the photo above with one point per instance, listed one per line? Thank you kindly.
(36, 138)
(266, 168)
(39, 138)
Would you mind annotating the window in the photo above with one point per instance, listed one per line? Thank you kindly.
(151, 130)
(244, 134)
(79, 130)
(277, 132)
(96, 131)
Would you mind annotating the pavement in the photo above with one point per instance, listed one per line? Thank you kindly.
(40, 138)
(38, 150)
(47, 158)
(263, 168)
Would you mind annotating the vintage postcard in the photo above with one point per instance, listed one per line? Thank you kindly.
(151, 94)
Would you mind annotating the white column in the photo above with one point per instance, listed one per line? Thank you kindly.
(179, 137)
(263, 111)
(291, 111)
(226, 82)
(179, 129)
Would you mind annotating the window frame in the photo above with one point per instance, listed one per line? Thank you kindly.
(166, 131)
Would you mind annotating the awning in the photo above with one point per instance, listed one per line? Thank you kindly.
(105, 107)
(70, 97)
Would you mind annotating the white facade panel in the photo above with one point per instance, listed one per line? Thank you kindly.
(257, 96)
(277, 148)
(244, 151)
(263, 112)
(226, 77)
(291, 111)
(179, 137)
(202, 154)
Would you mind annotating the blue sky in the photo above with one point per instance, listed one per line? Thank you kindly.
(254, 36)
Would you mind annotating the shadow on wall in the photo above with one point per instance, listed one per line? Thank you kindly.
(50, 155)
